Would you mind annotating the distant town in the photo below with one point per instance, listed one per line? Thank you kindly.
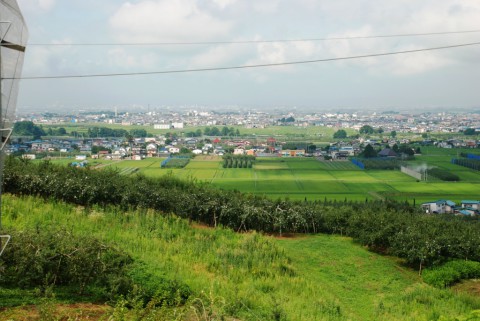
(220, 132)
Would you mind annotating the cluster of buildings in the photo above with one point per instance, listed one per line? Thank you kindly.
(180, 118)
(466, 207)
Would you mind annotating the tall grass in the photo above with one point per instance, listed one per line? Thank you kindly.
(250, 276)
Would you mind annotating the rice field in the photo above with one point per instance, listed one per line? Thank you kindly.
(309, 178)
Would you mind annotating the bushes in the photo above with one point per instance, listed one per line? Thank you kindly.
(45, 258)
(238, 161)
(41, 258)
(451, 272)
(388, 226)
(443, 175)
(175, 162)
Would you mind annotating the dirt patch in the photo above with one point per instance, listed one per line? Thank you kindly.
(288, 236)
(201, 226)
(77, 312)
(471, 287)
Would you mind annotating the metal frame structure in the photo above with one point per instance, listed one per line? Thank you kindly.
(13, 39)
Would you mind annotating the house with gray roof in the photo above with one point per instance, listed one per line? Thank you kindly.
(439, 207)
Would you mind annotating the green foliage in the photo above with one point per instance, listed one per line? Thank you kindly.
(56, 131)
(138, 133)
(340, 134)
(469, 131)
(406, 149)
(96, 149)
(28, 128)
(94, 132)
(367, 129)
(381, 163)
(451, 273)
(443, 175)
(420, 240)
(175, 162)
(369, 152)
(54, 257)
(287, 120)
(214, 131)
(244, 276)
(238, 161)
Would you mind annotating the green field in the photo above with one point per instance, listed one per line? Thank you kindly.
(300, 178)
(246, 276)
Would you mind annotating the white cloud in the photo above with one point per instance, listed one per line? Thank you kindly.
(166, 20)
(121, 58)
(46, 4)
(42, 60)
(35, 5)
(218, 56)
(280, 52)
(269, 6)
(222, 4)
(408, 17)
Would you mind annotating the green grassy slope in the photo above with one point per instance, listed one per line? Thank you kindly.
(250, 276)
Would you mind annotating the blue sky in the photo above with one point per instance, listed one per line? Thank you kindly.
(447, 78)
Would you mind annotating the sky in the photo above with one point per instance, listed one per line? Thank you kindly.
(435, 79)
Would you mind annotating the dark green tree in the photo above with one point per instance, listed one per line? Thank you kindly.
(367, 129)
(369, 152)
(311, 148)
(340, 134)
(28, 128)
(138, 133)
(469, 131)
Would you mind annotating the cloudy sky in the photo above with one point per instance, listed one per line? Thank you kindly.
(443, 78)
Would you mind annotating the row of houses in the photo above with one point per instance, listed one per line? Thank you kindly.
(466, 207)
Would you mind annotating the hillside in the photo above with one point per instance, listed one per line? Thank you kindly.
(247, 276)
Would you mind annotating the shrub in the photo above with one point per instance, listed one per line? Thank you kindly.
(42, 258)
(443, 175)
(451, 272)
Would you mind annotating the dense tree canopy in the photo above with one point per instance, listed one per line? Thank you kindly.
(369, 152)
(28, 128)
(367, 129)
(341, 133)
(469, 131)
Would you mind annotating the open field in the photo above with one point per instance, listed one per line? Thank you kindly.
(300, 178)
(248, 276)
(311, 134)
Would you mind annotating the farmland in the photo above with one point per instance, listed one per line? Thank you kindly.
(311, 179)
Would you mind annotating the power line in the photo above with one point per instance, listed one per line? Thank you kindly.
(256, 41)
(250, 66)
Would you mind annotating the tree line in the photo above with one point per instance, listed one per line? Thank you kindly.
(386, 226)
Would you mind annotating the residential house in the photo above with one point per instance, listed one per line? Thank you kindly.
(174, 150)
(439, 207)
(387, 152)
(470, 204)
(349, 150)
(292, 153)
(239, 151)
